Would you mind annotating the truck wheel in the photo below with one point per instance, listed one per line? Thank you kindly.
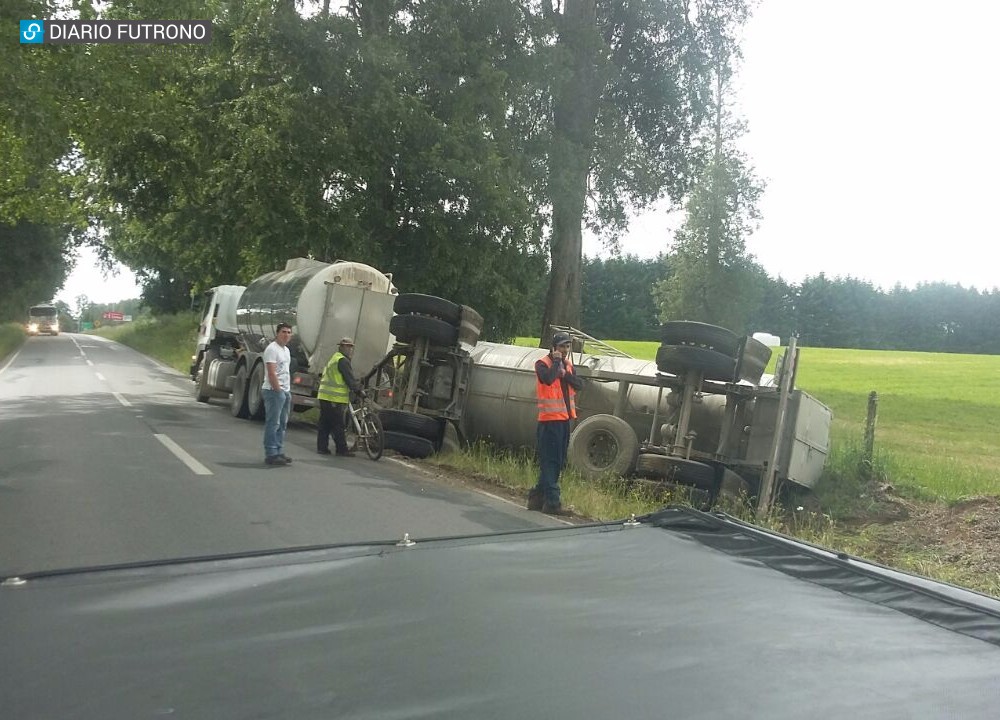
(696, 334)
(408, 328)
(238, 401)
(409, 445)
(753, 360)
(678, 359)
(445, 310)
(255, 393)
(203, 391)
(603, 444)
(410, 423)
(675, 469)
(471, 326)
(734, 487)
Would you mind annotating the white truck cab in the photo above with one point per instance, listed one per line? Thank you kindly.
(218, 320)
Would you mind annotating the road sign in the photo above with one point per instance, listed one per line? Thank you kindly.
(114, 315)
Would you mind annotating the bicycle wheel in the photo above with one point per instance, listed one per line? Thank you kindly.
(372, 437)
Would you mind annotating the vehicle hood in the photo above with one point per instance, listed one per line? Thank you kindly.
(686, 615)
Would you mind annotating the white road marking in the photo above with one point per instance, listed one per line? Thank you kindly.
(120, 398)
(12, 358)
(196, 467)
(100, 377)
(89, 361)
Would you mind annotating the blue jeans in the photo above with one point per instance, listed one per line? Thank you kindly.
(553, 442)
(277, 405)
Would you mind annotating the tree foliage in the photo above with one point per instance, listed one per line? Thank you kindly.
(618, 299)
(629, 91)
(714, 278)
(461, 146)
(33, 266)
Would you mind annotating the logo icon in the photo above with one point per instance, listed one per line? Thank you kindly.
(32, 31)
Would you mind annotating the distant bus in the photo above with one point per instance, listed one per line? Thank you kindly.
(43, 319)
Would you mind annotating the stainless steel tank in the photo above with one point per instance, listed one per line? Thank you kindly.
(322, 302)
(501, 401)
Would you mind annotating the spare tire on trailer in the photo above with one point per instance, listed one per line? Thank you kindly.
(675, 469)
(678, 359)
(603, 444)
(408, 328)
(470, 327)
(409, 445)
(753, 360)
(734, 486)
(697, 334)
(409, 423)
(415, 303)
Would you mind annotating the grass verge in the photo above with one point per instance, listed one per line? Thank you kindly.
(168, 338)
(11, 337)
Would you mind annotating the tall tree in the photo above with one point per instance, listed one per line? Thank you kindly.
(627, 93)
(714, 276)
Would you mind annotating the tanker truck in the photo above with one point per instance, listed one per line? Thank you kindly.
(702, 414)
(323, 302)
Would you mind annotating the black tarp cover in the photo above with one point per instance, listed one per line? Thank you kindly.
(686, 616)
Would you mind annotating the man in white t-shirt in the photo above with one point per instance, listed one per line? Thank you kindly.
(277, 392)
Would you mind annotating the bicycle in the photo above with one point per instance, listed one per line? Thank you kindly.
(366, 426)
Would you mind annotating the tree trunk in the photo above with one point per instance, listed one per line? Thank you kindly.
(575, 113)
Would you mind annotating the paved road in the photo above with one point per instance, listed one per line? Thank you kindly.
(107, 458)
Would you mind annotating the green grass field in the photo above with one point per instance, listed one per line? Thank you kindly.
(938, 431)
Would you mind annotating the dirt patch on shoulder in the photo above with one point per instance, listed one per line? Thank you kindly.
(958, 543)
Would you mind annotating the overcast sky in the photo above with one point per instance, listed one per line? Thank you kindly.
(876, 125)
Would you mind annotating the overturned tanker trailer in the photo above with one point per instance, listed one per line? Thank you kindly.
(703, 414)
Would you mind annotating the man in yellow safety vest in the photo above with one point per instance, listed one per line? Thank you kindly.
(334, 393)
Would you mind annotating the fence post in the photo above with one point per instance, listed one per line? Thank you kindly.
(868, 456)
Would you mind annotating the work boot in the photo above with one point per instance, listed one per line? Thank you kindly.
(274, 460)
(549, 509)
(285, 459)
(535, 499)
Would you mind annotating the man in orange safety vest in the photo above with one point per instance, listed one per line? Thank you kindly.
(556, 384)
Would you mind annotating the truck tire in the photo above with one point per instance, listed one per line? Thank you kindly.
(712, 337)
(675, 469)
(203, 391)
(470, 327)
(238, 400)
(408, 328)
(678, 359)
(409, 445)
(410, 423)
(734, 486)
(440, 308)
(603, 444)
(753, 360)
(255, 393)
